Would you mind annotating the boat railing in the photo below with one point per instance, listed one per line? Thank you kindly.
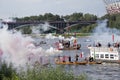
(103, 49)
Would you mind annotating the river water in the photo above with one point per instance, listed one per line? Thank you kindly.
(105, 71)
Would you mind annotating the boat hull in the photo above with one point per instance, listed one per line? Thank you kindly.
(110, 61)
(79, 63)
(95, 62)
(105, 54)
(72, 63)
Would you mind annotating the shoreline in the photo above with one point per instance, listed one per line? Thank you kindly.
(65, 35)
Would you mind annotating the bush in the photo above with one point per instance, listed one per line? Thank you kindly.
(49, 73)
(7, 72)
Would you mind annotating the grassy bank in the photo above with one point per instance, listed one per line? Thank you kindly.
(37, 73)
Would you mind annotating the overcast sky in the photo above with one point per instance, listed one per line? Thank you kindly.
(21, 8)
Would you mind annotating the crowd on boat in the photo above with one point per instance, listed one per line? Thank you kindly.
(67, 44)
(98, 44)
(76, 57)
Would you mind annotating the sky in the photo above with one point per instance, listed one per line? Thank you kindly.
(22, 8)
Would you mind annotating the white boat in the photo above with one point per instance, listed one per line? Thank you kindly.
(105, 54)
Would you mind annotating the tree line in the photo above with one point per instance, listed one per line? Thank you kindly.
(113, 20)
(55, 17)
(52, 17)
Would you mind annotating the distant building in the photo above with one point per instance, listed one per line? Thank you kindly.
(112, 6)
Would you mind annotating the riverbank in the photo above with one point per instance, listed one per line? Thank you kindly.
(65, 35)
(38, 72)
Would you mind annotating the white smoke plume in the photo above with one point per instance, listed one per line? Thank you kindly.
(104, 34)
(19, 50)
(40, 28)
(60, 37)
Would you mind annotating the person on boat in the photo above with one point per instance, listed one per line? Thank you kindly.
(109, 45)
(98, 44)
(91, 59)
(76, 57)
(75, 43)
(86, 59)
(60, 46)
(116, 45)
(63, 58)
(58, 58)
(69, 58)
(68, 43)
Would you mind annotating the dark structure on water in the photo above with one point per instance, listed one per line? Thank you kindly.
(59, 25)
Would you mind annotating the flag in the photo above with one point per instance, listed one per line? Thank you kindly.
(94, 52)
(1, 52)
(113, 37)
(75, 42)
(81, 55)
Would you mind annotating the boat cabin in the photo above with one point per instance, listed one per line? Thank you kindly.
(105, 53)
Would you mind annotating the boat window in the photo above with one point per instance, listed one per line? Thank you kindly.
(97, 55)
(111, 56)
(115, 55)
(106, 56)
(102, 56)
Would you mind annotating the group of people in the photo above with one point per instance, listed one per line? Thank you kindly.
(65, 58)
(65, 43)
(68, 43)
(98, 44)
(116, 45)
(76, 58)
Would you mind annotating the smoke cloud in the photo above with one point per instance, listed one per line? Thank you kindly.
(104, 34)
(18, 49)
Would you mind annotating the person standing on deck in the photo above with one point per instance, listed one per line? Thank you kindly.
(109, 45)
(63, 58)
(76, 57)
(69, 58)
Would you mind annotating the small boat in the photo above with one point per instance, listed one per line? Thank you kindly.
(79, 63)
(72, 63)
(71, 48)
(67, 45)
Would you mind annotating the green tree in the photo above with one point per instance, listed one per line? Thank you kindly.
(26, 30)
